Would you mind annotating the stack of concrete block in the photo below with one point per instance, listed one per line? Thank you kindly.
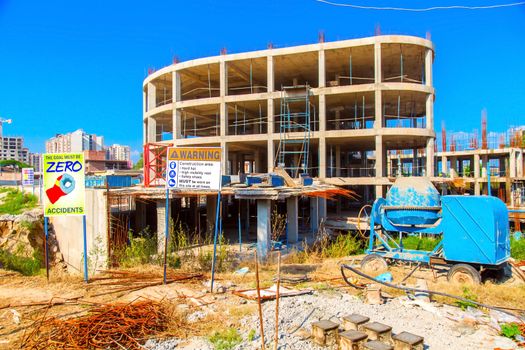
(358, 333)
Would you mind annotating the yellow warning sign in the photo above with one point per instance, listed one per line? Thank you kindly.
(204, 154)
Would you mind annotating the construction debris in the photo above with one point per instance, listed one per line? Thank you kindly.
(118, 326)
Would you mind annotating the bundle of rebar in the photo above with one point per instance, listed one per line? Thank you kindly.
(112, 326)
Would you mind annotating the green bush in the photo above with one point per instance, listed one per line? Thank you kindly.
(16, 202)
(226, 339)
(343, 245)
(28, 266)
(517, 248)
(141, 250)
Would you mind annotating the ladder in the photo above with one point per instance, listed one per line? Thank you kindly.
(294, 129)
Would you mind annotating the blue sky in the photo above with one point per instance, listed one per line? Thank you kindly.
(70, 64)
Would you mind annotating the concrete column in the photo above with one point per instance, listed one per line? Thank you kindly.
(477, 173)
(322, 158)
(477, 188)
(223, 117)
(453, 167)
(430, 158)
(378, 75)
(314, 214)
(322, 71)
(176, 87)
(512, 163)
(152, 97)
(263, 227)
(152, 130)
(224, 160)
(257, 160)
(270, 74)
(429, 58)
(322, 114)
(211, 211)
(380, 151)
(223, 72)
(379, 122)
(430, 111)
(520, 166)
(292, 214)
(161, 224)
(177, 124)
(377, 63)
(484, 163)
(270, 155)
(444, 165)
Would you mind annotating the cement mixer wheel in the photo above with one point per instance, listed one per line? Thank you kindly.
(463, 274)
(374, 263)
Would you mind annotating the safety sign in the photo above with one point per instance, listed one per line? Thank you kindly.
(28, 176)
(64, 183)
(194, 168)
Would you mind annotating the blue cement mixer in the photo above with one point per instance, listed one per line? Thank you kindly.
(472, 232)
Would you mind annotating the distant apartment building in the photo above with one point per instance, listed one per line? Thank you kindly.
(118, 152)
(12, 148)
(35, 161)
(75, 142)
(97, 157)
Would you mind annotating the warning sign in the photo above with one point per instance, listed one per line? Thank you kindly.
(194, 168)
(64, 184)
(28, 176)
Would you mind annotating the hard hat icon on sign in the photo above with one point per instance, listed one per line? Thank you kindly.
(171, 183)
(173, 165)
(172, 173)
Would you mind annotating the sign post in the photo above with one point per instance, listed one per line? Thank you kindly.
(195, 169)
(64, 182)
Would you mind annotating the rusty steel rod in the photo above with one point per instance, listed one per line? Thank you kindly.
(277, 295)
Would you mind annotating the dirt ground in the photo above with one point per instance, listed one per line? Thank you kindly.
(23, 300)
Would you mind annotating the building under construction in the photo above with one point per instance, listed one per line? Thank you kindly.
(334, 110)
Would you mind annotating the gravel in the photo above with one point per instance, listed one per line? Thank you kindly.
(297, 313)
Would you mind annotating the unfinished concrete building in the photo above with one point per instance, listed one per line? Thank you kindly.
(334, 110)
(491, 165)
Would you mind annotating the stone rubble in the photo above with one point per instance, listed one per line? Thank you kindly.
(442, 326)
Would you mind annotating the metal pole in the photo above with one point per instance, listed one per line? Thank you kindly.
(166, 231)
(85, 249)
(45, 246)
(239, 225)
(215, 241)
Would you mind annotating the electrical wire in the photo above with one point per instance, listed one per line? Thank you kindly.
(452, 7)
